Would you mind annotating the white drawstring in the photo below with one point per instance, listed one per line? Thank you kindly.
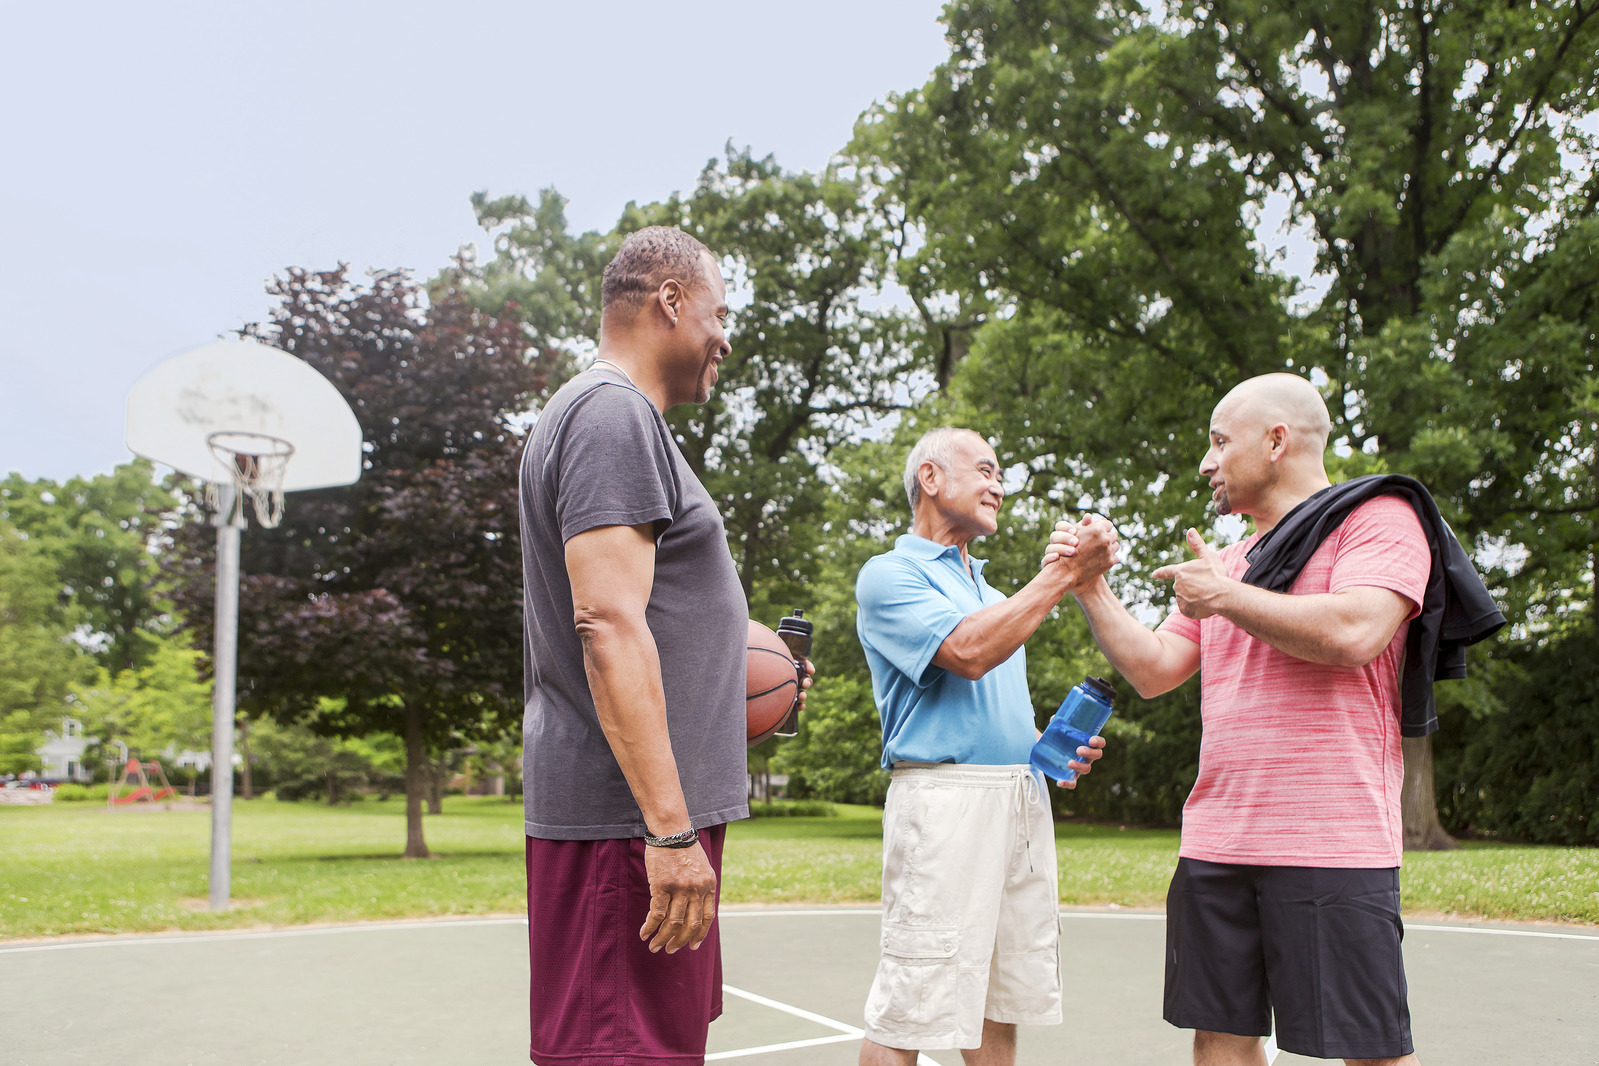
(1026, 792)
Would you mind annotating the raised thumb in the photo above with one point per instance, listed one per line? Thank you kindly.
(1197, 544)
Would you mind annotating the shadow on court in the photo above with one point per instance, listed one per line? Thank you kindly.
(451, 992)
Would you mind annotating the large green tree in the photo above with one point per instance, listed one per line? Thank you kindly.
(163, 703)
(1086, 179)
(41, 665)
(819, 357)
(816, 357)
(101, 533)
(392, 605)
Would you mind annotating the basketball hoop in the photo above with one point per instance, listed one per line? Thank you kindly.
(241, 407)
(258, 463)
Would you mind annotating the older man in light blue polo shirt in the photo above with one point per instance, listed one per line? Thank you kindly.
(970, 926)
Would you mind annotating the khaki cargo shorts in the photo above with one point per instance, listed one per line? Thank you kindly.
(971, 923)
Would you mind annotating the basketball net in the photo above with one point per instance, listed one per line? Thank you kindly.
(258, 464)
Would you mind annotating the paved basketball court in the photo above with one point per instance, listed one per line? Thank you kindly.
(449, 992)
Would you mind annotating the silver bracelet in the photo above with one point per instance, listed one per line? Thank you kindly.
(685, 839)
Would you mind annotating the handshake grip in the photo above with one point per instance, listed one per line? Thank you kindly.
(1088, 547)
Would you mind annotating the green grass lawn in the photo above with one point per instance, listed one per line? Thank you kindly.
(78, 868)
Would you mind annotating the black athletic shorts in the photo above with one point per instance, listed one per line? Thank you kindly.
(1317, 947)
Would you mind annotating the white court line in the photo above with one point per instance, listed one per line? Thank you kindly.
(814, 912)
(456, 923)
(1409, 927)
(765, 1049)
(261, 934)
(846, 1031)
(798, 1012)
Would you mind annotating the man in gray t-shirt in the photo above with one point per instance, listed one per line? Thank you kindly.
(602, 456)
(635, 621)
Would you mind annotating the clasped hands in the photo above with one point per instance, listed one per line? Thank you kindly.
(1091, 544)
(1200, 584)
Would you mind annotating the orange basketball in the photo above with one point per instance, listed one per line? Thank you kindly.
(772, 685)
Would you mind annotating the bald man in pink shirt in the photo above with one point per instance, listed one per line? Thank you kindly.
(1285, 900)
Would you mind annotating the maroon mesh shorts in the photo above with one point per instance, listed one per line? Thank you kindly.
(599, 997)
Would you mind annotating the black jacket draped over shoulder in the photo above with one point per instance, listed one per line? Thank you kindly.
(1456, 609)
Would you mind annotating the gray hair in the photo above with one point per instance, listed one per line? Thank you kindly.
(937, 446)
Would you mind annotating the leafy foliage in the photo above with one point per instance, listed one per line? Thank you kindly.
(40, 664)
(1086, 178)
(162, 704)
(101, 532)
(393, 605)
(1531, 772)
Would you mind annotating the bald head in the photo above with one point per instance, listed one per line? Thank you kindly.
(1286, 399)
(1268, 446)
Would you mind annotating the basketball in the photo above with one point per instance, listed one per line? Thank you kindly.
(772, 685)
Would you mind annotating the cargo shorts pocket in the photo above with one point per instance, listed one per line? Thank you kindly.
(915, 984)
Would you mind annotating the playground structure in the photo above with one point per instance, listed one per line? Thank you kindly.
(136, 773)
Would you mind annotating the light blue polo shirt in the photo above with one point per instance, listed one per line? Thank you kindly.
(911, 599)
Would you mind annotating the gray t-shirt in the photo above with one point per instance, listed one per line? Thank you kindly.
(602, 455)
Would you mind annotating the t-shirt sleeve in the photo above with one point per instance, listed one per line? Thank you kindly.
(903, 617)
(1382, 544)
(1181, 625)
(615, 466)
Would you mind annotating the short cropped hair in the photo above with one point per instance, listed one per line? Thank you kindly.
(647, 258)
(937, 446)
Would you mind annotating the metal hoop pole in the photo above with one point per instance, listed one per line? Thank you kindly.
(229, 521)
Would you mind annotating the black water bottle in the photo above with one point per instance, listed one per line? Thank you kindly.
(795, 631)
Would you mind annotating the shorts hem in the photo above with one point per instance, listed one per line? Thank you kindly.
(945, 1041)
(1255, 1029)
(1345, 1049)
(1054, 1017)
(614, 1058)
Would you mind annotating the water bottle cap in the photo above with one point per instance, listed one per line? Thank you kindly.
(1100, 687)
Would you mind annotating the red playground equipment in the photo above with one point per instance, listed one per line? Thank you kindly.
(136, 774)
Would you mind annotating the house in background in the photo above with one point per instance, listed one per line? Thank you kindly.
(62, 754)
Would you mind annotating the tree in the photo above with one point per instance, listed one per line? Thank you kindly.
(101, 533)
(817, 361)
(812, 362)
(40, 664)
(1095, 171)
(393, 605)
(163, 704)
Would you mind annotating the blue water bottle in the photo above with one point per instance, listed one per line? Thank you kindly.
(1083, 713)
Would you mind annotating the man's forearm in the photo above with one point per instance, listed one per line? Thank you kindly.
(1347, 628)
(1151, 662)
(624, 675)
(987, 637)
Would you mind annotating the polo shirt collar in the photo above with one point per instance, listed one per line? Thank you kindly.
(929, 550)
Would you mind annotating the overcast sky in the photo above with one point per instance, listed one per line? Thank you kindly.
(161, 161)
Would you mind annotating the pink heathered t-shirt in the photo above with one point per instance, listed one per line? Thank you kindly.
(1299, 764)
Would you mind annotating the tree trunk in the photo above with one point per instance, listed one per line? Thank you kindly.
(436, 774)
(333, 787)
(415, 768)
(244, 752)
(1418, 804)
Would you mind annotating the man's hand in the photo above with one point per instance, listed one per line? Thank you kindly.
(682, 897)
(1087, 756)
(1089, 548)
(1201, 583)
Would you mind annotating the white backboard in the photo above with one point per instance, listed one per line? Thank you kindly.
(244, 386)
